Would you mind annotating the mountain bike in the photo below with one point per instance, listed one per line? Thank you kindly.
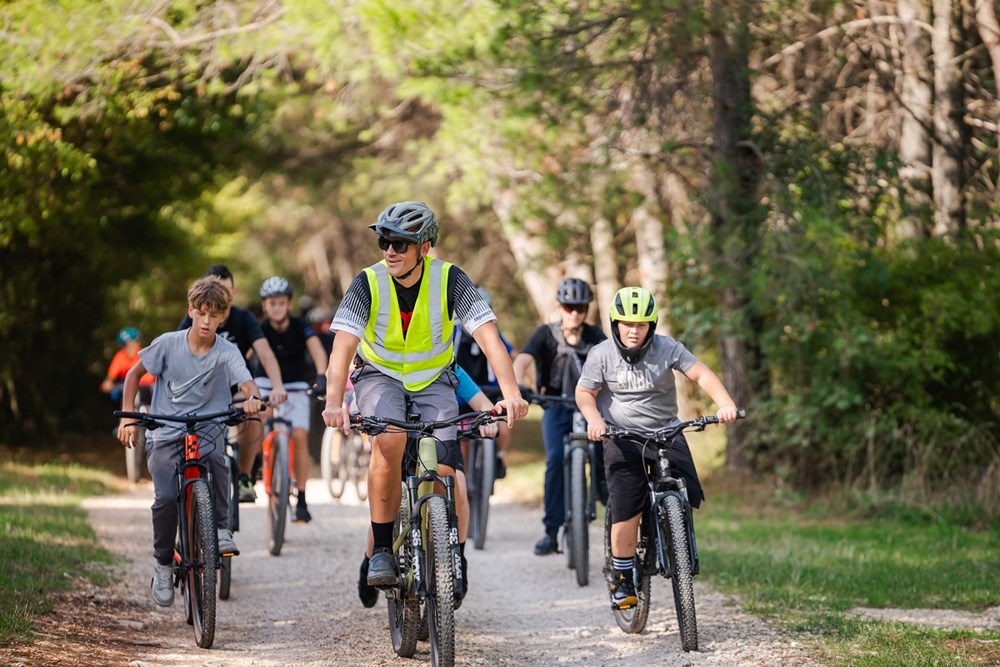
(344, 458)
(277, 464)
(425, 540)
(196, 555)
(135, 456)
(480, 476)
(666, 535)
(583, 471)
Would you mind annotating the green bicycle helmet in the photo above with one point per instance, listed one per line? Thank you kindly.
(633, 304)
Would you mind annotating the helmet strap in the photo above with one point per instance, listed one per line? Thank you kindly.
(420, 261)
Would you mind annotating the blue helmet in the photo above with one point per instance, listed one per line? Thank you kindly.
(127, 335)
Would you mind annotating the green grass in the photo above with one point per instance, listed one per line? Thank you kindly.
(45, 540)
(808, 571)
(806, 564)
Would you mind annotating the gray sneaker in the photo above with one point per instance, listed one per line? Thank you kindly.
(227, 547)
(163, 584)
(382, 570)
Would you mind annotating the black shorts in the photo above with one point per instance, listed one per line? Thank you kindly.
(628, 485)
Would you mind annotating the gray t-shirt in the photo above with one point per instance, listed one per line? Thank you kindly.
(640, 396)
(187, 383)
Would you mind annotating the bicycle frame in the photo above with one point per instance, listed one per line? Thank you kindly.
(189, 470)
(666, 484)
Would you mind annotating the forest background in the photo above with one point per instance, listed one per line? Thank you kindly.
(809, 187)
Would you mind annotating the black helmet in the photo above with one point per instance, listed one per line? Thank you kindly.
(633, 304)
(574, 292)
(412, 221)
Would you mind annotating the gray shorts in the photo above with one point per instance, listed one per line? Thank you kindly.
(378, 395)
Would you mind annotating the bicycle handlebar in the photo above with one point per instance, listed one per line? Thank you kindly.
(545, 400)
(664, 435)
(376, 425)
(152, 422)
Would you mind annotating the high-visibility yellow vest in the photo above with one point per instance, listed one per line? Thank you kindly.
(427, 350)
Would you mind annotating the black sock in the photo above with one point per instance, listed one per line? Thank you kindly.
(461, 548)
(302, 496)
(382, 535)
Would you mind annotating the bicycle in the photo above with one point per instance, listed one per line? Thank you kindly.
(277, 464)
(135, 456)
(582, 488)
(425, 541)
(232, 455)
(344, 458)
(480, 476)
(196, 554)
(666, 535)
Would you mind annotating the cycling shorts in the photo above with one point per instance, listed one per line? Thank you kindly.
(379, 395)
(296, 407)
(628, 486)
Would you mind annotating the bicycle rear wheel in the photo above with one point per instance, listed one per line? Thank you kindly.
(203, 563)
(441, 576)
(679, 553)
(332, 460)
(486, 468)
(403, 606)
(226, 569)
(277, 515)
(632, 620)
(579, 542)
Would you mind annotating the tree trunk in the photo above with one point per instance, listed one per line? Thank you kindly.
(947, 175)
(602, 241)
(733, 205)
(915, 96)
(989, 32)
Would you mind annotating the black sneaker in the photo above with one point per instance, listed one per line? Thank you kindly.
(368, 594)
(623, 591)
(547, 545)
(382, 569)
(501, 469)
(302, 514)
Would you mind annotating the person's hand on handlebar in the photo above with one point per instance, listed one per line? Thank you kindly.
(126, 432)
(336, 416)
(253, 404)
(515, 408)
(596, 429)
(489, 430)
(727, 414)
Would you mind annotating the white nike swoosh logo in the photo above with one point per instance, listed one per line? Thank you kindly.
(177, 391)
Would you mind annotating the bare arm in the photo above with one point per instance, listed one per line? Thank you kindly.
(345, 346)
(586, 400)
(522, 364)
(488, 338)
(703, 376)
(126, 427)
(267, 359)
(481, 402)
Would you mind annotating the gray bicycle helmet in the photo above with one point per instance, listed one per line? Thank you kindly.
(275, 286)
(411, 221)
(574, 292)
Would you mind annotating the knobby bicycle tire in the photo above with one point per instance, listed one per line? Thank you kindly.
(277, 515)
(440, 575)
(332, 460)
(632, 621)
(679, 553)
(486, 470)
(226, 564)
(403, 606)
(204, 559)
(579, 546)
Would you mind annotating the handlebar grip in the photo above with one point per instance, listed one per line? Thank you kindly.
(579, 436)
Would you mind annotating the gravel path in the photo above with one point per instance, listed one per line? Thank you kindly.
(302, 608)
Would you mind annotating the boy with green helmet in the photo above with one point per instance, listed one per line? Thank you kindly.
(629, 383)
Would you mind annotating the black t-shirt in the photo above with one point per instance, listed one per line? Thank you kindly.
(240, 328)
(551, 367)
(289, 348)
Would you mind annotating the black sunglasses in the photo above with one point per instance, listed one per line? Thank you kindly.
(398, 245)
(581, 308)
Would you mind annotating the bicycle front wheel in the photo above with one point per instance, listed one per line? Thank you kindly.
(486, 469)
(331, 460)
(579, 543)
(203, 555)
(277, 514)
(441, 576)
(632, 620)
(679, 554)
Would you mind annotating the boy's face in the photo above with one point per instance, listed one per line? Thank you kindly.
(633, 334)
(276, 307)
(205, 323)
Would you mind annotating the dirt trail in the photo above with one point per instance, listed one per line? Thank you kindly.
(302, 608)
